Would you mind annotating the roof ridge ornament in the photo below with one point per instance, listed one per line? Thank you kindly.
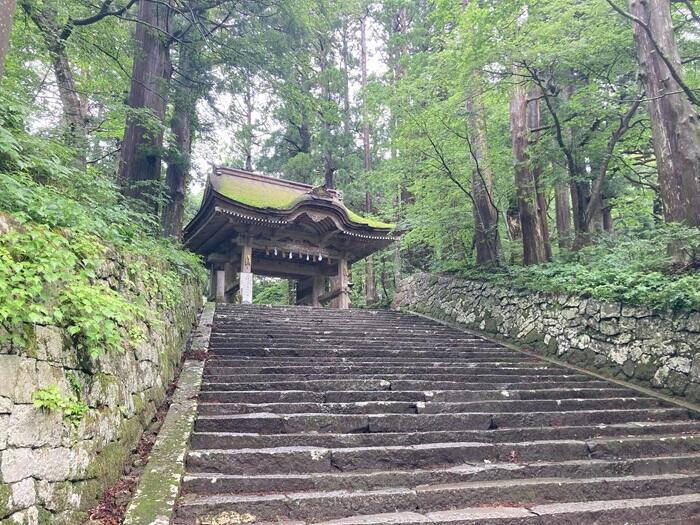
(323, 192)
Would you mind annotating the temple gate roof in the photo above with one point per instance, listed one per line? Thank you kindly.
(276, 212)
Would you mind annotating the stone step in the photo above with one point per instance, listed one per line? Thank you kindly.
(513, 358)
(349, 342)
(348, 334)
(364, 329)
(669, 510)
(388, 347)
(297, 396)
(352, 368)
(270, 351)
(360, 327)
(234, 440)
(309, 415)
(266, 423)
(322, 505)
(430, 407)
(497, 376)
(319, 459)
(480, 383)
(213, 482)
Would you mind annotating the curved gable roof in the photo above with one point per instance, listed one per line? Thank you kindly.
(263, 193)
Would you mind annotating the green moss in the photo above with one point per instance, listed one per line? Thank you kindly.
(273, 197)
(645, 371)
(374, 223)
(108, 464)
(30, 346)
(45, 517)
(138, 402)
(491, 325)
(257, 194)
(5, 498)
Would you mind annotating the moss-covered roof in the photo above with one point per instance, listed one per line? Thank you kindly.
(276, 194)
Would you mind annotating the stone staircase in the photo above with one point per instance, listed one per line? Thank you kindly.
(366, 417)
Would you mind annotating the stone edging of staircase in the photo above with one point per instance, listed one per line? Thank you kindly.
(488, 337)
(154, 501)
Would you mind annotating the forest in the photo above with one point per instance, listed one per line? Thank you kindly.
(549, 145)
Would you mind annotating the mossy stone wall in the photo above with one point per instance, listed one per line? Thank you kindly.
(51, 470)
(654, 349)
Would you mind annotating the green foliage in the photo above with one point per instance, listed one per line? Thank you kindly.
(633, 268)
(51, 400)
(68, 230)
(297, 62)
(271, 291)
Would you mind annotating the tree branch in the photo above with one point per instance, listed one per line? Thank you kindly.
(669, 65)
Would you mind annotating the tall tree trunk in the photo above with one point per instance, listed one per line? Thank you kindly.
(248, 101)
(486, 238)
(179, 154)
(328, 162)
(400, 70)
(370, 284)
(345, 55)
(580, 197)
(608, 224)
(141, 152)
(562, 207)
(533, 243)
(75, 113)
(534, 122)
(674, 120)
(7, 9)
(305, 134)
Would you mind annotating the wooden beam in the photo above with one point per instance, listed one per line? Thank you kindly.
(290, 269)
(292, 246)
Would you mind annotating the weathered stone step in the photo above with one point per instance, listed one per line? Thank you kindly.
(382, 417)
(430, 407)
(287, 341)
(677, 510)
(352, 423)
(346, 333)
(480, 383)
(306, 311)
(352, 369)
(366, 325)
(317, 506)
(296, 396)
(316, 351)
(212, 482)
(233, 440)
(319, 459)
(497, 376)
(217, 369)
(514, 358)
(386, 348)
(341, 328)
(359, 327)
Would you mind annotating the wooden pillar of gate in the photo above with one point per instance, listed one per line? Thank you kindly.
(246, 275)
(341, 285)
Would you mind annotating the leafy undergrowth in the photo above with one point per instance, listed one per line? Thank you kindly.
(64, 231)
(632, 267)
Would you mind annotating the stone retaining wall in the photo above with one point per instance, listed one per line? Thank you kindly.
(651, 348)
(50, 470)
